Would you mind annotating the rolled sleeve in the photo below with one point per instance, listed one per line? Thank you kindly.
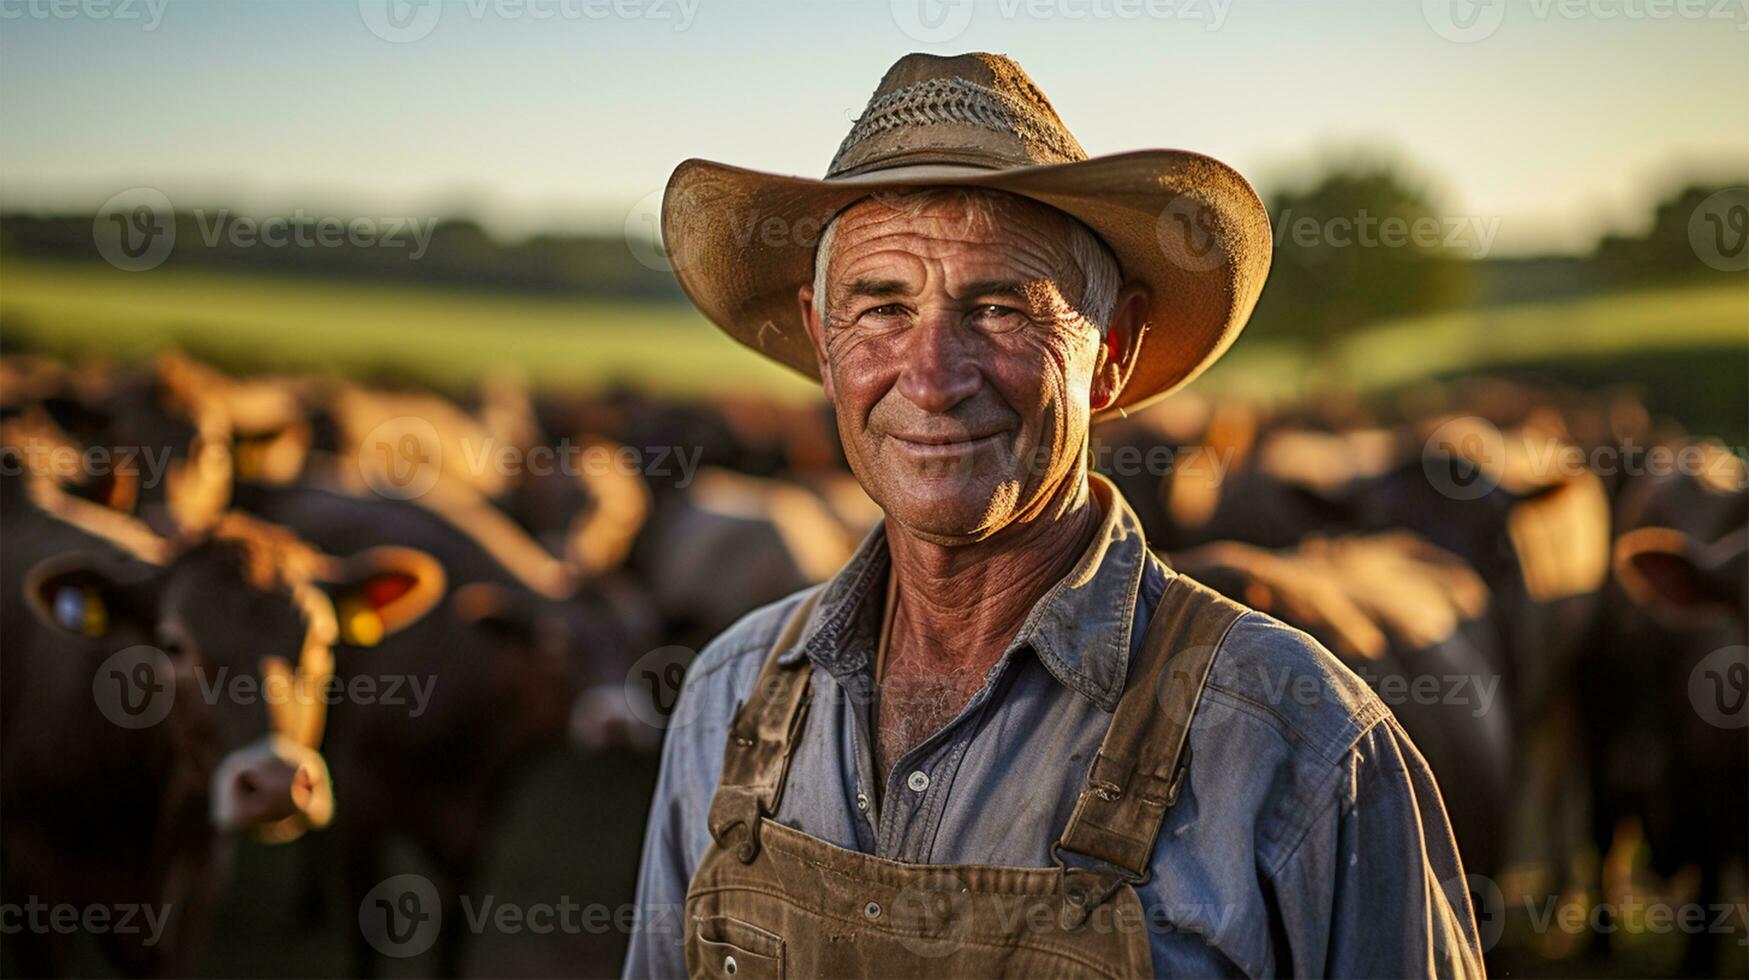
(1376, 888)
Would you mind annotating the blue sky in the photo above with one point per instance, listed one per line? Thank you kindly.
(1558, 118)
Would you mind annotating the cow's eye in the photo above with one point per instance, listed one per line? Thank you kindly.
(78, 609)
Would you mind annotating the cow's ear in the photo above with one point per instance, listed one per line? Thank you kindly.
(80, 594)
(381, 591)
(1663, 570)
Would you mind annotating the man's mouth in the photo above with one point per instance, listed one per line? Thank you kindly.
(933, 446)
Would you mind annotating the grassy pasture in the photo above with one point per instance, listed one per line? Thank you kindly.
(448, 337)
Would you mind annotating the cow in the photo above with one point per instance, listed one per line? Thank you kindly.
(1662, 697)
(508, 665)
(1414, 621)
(778, 536)
(227, 635)
(1662, 688)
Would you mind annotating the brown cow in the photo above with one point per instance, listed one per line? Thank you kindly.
(156, 692)
(1414, 621)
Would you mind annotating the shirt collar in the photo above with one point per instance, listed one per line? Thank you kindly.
(1080, 629)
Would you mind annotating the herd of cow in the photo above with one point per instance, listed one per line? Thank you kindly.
(273, 605)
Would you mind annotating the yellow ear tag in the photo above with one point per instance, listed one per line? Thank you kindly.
(96, 617)
(360, 626)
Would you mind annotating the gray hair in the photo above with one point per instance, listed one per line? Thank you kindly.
(1100, 275)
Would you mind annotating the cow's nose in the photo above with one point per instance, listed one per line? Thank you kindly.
(271, 789)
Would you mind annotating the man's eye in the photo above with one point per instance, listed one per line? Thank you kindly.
(998, 316)
(885, 312)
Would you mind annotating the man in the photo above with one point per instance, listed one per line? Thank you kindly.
(1005, 739)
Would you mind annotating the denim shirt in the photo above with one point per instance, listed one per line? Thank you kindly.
(1309, 838)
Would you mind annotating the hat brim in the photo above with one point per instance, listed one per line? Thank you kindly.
(1191, 229)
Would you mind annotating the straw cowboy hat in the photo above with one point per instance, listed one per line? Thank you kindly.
(742, 242)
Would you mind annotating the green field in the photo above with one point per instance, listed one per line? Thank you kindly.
(448, 337)
(276, 323)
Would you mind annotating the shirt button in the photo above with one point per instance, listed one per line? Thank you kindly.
(918, 781)
(862, 802)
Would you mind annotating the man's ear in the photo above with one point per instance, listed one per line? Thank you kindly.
(1121, 344)
(80, 594)
(382, 591)
(816, 333)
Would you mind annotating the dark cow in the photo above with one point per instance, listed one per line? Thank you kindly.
(1414, 621)
(1663, 688)
(106, 623)
(501, 671)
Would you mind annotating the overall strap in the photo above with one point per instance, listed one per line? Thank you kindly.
(1136, 776)
(762, 735)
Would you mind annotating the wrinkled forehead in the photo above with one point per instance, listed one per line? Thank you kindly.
(968, 236)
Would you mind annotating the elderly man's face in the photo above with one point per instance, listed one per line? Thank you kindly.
(959, 367)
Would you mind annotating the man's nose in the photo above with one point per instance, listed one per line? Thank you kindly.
(939, 369)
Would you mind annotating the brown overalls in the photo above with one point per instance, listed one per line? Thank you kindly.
(770, 901)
